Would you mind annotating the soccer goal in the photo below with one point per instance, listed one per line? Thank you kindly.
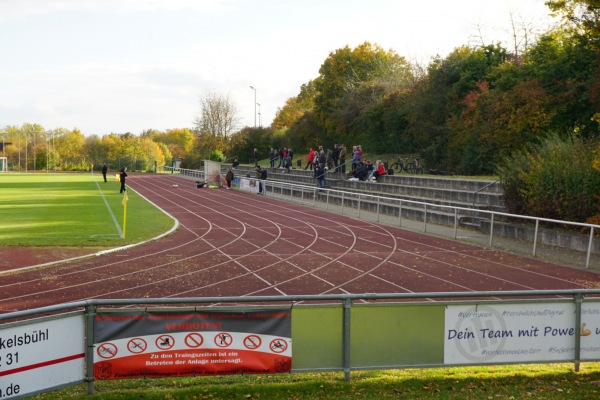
(3, 164)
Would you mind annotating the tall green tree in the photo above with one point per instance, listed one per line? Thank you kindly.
(343, 74)
(581, 16)
(295, 107)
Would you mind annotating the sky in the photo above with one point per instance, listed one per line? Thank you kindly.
(117, 66)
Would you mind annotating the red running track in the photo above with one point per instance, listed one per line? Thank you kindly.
(232, 243)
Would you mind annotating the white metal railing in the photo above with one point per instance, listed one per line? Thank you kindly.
(190, 173)
(382, 205)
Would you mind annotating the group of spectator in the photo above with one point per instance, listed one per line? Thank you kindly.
(322, 161)
(282, 156)
(366, 171)
(332, 159)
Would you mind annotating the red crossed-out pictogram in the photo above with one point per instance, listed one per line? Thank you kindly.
(194, 340)
(137, 345)
(278, 345)
(223, 339)
(165, 342)
(252, 342)
(107, 350)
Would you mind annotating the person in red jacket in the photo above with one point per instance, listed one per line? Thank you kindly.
(379, 170)
(311, 159)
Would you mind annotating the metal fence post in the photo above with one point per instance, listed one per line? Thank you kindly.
(400, 214)
(90, 315)
(491, 230)
(589, 252)
(537, 226)
(577, 355)
(347, 304)
(455, 223)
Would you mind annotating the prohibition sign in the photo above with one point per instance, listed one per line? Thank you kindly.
(194, 340)
(107, 350)
(137, 345)
(165, 342)
(252, 342)
(278, 345)
(223, 339)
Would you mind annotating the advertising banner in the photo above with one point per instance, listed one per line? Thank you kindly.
(161, 344)
(41, 355)
(249, 185)
(514, 333)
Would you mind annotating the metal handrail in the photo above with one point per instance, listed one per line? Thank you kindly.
(513, 294)
(454, 209)
(482, 189)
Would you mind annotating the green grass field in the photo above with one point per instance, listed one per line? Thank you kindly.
(555, 381)
(74, 210)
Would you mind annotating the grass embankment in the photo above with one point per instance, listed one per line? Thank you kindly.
(557, 381)
(73, 210)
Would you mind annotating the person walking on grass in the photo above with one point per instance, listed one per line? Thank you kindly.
(122, 176)
(104, 171)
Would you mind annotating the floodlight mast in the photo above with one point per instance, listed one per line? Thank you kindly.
(253, 88)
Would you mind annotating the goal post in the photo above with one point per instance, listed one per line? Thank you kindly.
(3, 164)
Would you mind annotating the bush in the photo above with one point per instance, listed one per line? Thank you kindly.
(217, 155)
(554, 179)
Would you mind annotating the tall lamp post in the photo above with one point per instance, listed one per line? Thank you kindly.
(253, 88)
(259, 119)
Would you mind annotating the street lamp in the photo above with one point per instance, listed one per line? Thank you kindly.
(253, 88)
(259, 114)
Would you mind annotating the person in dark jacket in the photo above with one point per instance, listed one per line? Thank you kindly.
(319, 176)
(229, 177)
(104, 171)
(261, 175)
(122, 176)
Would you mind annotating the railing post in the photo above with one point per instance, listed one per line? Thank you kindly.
(90, 315)
(346, 339)
(378, 208)
(400, 214)
(455, 222)
(342, 203)
(358, 204)
(589, 252)
(577, 355)
(425, 219)
(537, 225)
(491, 230)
